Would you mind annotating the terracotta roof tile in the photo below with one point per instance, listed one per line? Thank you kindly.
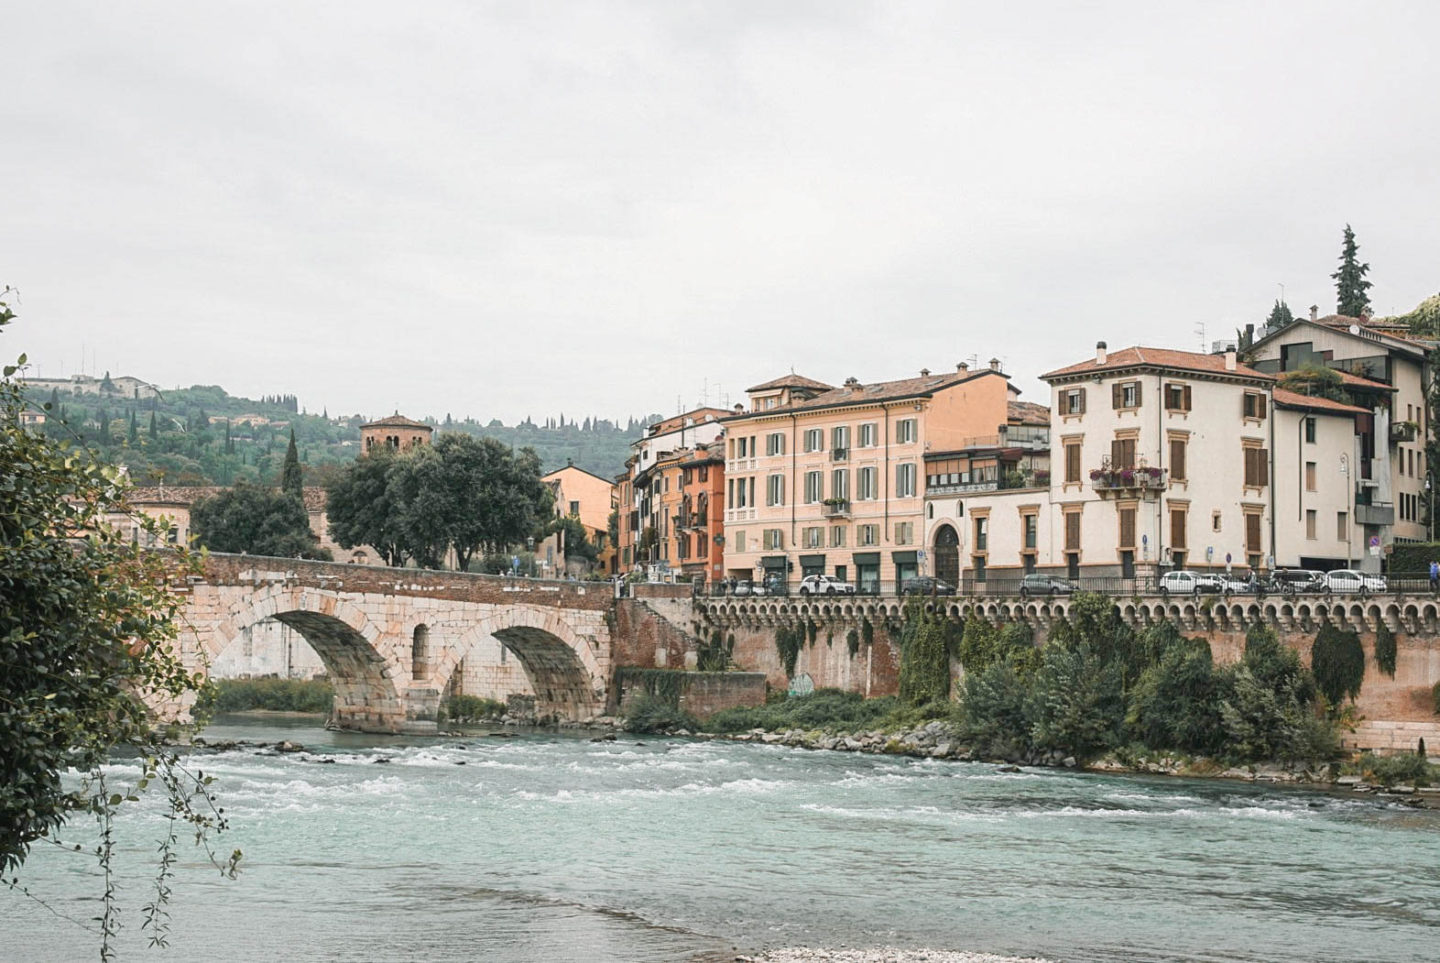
(190, 494)
(397, 421)
(1293, 399)
(792, 380)
(1137, 357)
(856, 394)
(1029, 413)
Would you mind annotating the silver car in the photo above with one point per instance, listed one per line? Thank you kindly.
(1347, 581)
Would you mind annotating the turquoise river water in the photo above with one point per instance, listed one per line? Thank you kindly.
(546, 847)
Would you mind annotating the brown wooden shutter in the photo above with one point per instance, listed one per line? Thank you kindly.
(1262, 464)
(1127, 527)
(1259, 406)
(1186, 405)
(1072, 463)
(1252, 533)
(1117, 453)
(1177, 528)
(1072, 532)
(1139, 387)
(1117, 397)
(1082, 403)
(1177, 459)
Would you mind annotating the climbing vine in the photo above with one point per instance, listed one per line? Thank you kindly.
(1338, 662)
(867, 632)
(924, 659)
(852, 641)
(1385, 649)
(788, 641)
(666, 685)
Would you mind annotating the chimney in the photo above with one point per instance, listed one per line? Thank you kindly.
(739, 407)
(852, 382)
(1314, 312)
(994, 364)
(1099, 352)
(962, 367)
(1229, 359)
(924, 372)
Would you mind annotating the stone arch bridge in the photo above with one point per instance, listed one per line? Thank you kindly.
(392, 638)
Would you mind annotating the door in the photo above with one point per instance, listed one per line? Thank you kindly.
(946, 551)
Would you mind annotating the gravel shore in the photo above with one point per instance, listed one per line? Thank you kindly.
(802, 954)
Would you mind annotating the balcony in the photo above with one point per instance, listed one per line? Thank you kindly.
(1135, 482)
(1403, 431)
(839, 454)
(1371, 511)
(835, 508)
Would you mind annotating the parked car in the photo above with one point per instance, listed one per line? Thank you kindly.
(743, 587)
(1037, 584)
(1289, 581)
(825, 585)
(926, 585)
(1241, 584)
(775, 585)
(1190, 583)
(1350, 582)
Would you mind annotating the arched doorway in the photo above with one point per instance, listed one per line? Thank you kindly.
(946, 551)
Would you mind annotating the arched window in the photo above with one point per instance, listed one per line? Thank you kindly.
(420, 653)
(947, 554)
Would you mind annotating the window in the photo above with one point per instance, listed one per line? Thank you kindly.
(1127, 528)
(742, 448)
(977, 565)
(840, 484)
(574, 508)
(1342, 525)
(814, 487)
(814, 439)
(814, 537)
(1215, 521)
(775, 443)
(1072, 461)
(739, 541)
(1072, 401)
(1031, 525)
(1177, 397)
(1177, 459)
(869, 435)
(866, 488)
(1310, 476)
(840, 438)
(1257, 467)
(1310, 431)
(1254, 405)
(1072, 531)
(982, 533)
(1122, 453)
(867, 534)
(904, 533)
(419, 653)
(1252, 533)
(1310, 524)
(775, 490)
(904, 480)
(1125, 394)
(837, 536)
(774, 538)
(1177, 528)
(905, 432)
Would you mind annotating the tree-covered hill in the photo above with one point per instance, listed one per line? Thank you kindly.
(203, 435)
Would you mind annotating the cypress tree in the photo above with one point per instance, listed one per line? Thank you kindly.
(132, 437)
(154, 428)
(290, 479)
(1279, 316)
(1350, 284)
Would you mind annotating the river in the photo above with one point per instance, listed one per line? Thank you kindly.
(550, 847)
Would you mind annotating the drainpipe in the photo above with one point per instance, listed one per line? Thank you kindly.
(1270, 493)
(795, 490)
(1162, 443)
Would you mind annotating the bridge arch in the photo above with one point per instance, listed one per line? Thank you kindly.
(356, 655)
(562, 665)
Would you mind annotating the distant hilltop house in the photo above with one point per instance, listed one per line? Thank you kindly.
(121, 387)
(396, 431)
(30, 416)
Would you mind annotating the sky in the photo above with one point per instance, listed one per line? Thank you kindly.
(610, 208)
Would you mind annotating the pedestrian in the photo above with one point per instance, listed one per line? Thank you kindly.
(1434, 576)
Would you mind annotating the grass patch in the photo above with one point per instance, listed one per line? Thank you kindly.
(274, 695)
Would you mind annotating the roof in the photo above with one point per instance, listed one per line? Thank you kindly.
(1357, 381)
(1029, 413)
(792, 380)
(697, 416)
(1293, 399)
(557, 471)
(190, 494)
(1339, 322)
(857, 394)
(1139, 357)
(397, 420)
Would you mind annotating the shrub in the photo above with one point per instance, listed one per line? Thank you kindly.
(1338, 662)
(993, 711)
(275, 695)
(1405, 768)
(832, 710)
(1263, 722)
(1176, 702)
(924, 661)
(979, 645)
(1435, 698)
(1385, 649)
(1075, 702)
(468, 708)
(651, 713)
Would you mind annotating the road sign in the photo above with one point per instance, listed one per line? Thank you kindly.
(1374, 541)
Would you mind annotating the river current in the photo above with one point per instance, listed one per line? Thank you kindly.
(550, 847)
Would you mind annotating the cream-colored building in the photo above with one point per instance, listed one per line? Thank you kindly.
(820, 479)
(1385, 374)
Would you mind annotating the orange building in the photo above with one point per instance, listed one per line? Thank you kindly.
(698, 528)
(396, 431)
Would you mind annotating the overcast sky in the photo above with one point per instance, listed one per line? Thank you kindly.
(598, 208)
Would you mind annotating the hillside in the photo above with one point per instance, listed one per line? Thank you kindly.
(204, 435)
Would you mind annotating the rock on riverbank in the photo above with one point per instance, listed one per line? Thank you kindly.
(801, 954)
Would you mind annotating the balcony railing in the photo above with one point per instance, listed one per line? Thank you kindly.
(1403, 431)
(835, 508)
(1139, 481)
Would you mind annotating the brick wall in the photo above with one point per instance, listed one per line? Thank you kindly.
(703, 694)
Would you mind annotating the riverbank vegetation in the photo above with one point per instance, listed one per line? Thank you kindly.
(268, 694)
(469, 710)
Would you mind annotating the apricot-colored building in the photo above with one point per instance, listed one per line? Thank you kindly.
(396, 431)
(829, 480)
(588, 497)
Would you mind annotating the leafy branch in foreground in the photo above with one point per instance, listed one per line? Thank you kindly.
(87, 634)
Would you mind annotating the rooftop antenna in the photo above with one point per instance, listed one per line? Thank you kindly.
(1200, 333)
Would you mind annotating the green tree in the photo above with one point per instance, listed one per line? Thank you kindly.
(1385, 649)
(924, 657)
(576, 539)
(86, 623)
(362, 510)
(1338, 662)
(291, 481)
(251, 520)
(1176, 703)
(1279, 316)
(154, 431)
(1316, 381)
(1350, 284)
